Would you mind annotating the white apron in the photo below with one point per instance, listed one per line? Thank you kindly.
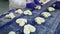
(18, 3)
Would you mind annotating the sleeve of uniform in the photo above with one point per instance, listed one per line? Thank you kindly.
(37, 2)
(30, 4)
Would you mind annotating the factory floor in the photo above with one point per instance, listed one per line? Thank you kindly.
(3, 6)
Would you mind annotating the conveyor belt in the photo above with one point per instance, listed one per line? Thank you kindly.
(48, 27)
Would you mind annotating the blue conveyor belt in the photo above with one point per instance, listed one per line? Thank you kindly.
(48, 27)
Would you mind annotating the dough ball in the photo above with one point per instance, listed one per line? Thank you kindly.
(38, 7)
(27, 12)
(29, 28)
(10, 15)
(21, 21)
(46, 14)
(39, 20)
(19, 11)
(50, 9)
(11, 32)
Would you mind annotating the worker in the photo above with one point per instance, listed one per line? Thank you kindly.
(25, 3)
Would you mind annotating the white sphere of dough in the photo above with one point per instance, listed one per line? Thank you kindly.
(26, 30)
(27, 12)
(21, 21)
(38, 7)
(19, 11)
(12, 32)
(46, 14)
(10, 15)
(29, 28)
(21, 24)
(39, 20)
(50, 9)
(7, 16)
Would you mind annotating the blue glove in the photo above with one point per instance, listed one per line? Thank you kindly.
(37, 2)
(30, 5)
(57, 4)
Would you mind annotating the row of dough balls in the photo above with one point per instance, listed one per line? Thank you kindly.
(50, 9)
(23, 21)
(27, 29)
(19, 11)
(47, 14)
(11, 15)
(27, 12)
